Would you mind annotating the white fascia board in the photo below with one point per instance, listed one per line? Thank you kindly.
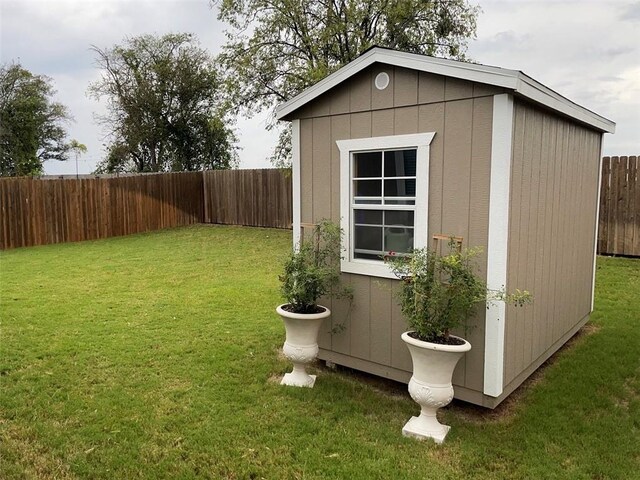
(324, 85)
(498, 241)
(295, 174)
(500, 77)
(533, 90)
(467, 71)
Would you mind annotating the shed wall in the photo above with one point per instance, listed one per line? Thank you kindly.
(554, 182)
(460, 113)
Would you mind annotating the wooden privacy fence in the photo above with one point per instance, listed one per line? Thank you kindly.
(39, 212)
(43, 211)
(619, 220)
(260, 198)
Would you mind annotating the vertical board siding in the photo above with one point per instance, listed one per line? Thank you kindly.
(551, 232)
(619, 220)
(257, 198)
(459, 175)
(40, 212)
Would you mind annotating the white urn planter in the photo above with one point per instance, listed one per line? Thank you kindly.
(301, 344)
(430, 386)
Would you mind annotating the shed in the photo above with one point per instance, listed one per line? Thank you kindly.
(400, 147)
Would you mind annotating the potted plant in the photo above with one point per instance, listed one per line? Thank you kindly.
(438, 295)
(310, 272)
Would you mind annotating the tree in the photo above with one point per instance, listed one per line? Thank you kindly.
(31, 129)
(78, 149)
(164, 109)
(293, 44)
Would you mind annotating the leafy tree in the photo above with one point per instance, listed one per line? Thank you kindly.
(276, 49)
(164, 110)
(31, 129)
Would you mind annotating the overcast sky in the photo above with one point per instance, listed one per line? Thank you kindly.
(589, 51)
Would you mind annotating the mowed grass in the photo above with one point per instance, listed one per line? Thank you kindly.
(157, 356)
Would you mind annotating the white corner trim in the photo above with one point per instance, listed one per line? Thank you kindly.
(513, 80)
(295, 177)
(595, 242)
(421, 142)
(497, 253)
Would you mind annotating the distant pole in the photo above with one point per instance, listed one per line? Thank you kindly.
(77, 148)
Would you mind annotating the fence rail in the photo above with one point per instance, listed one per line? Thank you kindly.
(619, 220)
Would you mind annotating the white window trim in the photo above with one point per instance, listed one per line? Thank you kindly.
(419, 141)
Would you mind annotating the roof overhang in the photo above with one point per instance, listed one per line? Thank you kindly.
(513, 80)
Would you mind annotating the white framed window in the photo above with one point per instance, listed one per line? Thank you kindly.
(384, 190)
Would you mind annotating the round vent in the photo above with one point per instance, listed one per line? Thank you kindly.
(382, 80)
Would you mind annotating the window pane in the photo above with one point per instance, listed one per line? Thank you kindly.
(396, 201)
(368, 188)
(400, 163)
(361, 201)
(367, 164)
(398, 217)
(398, 239)
(368, 256)
(368, 238)
(400, 188)
(371, 217)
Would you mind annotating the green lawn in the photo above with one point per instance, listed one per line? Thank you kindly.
(156, 356)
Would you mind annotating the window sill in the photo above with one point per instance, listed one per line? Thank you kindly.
(367, 267)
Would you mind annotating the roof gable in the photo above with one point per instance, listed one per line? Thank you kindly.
(513, 80)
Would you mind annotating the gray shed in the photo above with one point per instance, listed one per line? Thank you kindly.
(400, 147)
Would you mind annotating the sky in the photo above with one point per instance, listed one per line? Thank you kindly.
(588, 51)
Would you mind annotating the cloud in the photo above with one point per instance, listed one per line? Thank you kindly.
(54, 38)
(583, 50)
(503, 41)
(631, 12)
(579, 49)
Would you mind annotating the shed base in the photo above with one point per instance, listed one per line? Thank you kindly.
(460, 392)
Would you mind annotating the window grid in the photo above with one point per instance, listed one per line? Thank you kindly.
(382, 205)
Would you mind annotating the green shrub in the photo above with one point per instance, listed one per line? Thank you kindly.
(313, 270)
(440, 292)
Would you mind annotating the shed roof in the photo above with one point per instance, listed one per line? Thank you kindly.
(513, 80)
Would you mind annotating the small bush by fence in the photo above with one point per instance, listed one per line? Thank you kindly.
(619, 220)
(39, 211)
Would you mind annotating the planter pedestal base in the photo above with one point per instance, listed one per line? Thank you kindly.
(298, 379)
(424, 427)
